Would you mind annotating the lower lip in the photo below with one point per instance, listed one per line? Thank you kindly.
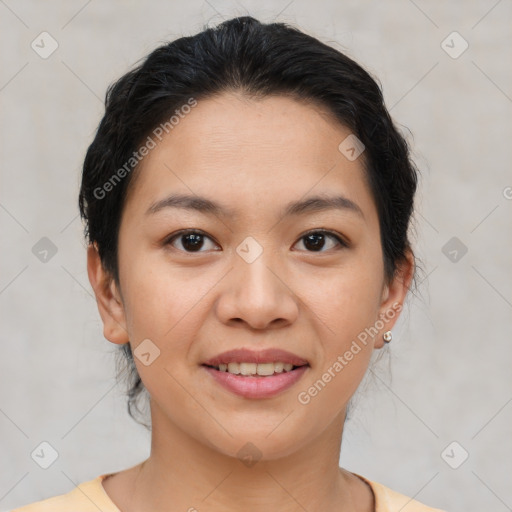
(256, 386)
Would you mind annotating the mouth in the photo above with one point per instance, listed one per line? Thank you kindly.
(250, 384)
(255, 369)
(256, 374)
(245, 357)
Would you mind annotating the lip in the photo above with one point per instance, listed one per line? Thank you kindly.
(257, 386)
(243, 355)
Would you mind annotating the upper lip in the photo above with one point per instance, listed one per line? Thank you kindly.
(244, 355)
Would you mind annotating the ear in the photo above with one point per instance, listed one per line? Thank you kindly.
(393, 296)
(108, 299)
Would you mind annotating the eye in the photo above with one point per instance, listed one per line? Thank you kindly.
(191, 240)
(316, 240)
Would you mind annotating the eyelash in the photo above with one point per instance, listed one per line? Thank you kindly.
(342, 243)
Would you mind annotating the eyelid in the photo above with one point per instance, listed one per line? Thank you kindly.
(168, 240)
(342, 240)
(186, 231)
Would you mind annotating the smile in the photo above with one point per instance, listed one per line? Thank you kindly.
(251, 380)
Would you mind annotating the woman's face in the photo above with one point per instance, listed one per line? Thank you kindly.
(251, 278)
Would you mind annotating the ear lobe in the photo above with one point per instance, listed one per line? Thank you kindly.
(108, 299)
(393, 295)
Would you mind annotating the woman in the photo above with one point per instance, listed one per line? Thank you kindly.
(247, 201)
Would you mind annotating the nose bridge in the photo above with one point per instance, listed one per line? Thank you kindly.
(255, 292)
(255, 282)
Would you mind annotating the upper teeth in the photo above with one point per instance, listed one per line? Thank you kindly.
(254, 368)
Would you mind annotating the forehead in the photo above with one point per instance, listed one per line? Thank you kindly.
(246, 153)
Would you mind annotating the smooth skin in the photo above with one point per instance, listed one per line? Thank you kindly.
(253, 157)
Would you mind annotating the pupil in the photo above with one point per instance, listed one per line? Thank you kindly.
(193, 241)
(317, 240)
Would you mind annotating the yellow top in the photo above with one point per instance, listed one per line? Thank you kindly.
(91, 496)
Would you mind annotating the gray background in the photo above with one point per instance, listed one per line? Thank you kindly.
(446, 375)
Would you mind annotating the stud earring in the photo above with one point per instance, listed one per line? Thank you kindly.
(388, 336)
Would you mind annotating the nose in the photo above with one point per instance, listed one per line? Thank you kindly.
(257, 294)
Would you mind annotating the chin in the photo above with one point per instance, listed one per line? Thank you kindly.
(251, 446)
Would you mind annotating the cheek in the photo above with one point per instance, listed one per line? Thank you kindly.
(347, 303)
(346, 300)
(161, 301)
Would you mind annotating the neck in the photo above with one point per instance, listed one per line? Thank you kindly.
(187, 475)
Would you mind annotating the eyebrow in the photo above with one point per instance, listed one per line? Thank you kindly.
(301, 207)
